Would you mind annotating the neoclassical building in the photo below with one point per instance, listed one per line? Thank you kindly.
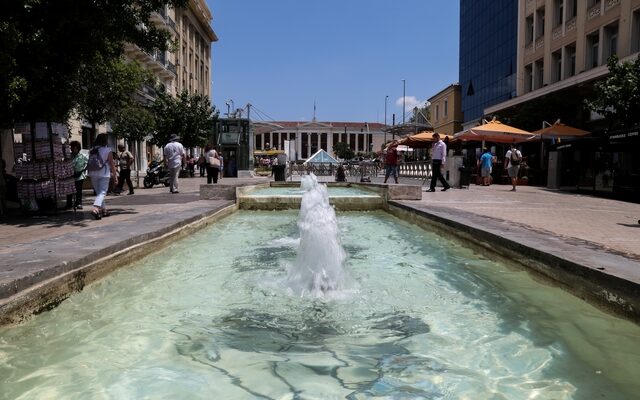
(311, 136)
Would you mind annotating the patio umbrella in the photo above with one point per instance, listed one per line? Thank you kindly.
(559, 131)
(494, 131)
(422, 140)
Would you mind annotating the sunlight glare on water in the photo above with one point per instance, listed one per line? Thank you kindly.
(209, 317)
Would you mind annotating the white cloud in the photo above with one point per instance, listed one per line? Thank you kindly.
(410, 103)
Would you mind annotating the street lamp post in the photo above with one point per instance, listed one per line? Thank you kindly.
(385, 119)
(404, 97)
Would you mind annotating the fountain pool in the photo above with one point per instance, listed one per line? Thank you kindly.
(211, 317)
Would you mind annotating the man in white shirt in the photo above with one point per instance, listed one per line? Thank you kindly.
(174, 158)
(512, 163)
(438, 157)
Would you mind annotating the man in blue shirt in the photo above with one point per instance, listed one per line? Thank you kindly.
(486, 163)
(439, 157)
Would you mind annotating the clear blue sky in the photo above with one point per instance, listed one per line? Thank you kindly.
(346, 55)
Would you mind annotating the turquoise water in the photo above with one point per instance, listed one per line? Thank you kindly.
(210, 318)
(334, 191)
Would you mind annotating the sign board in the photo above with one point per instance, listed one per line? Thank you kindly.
(227, 138)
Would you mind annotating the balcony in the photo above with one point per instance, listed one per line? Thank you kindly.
(155, 62)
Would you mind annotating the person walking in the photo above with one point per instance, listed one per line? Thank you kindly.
(391, 162)
(202, 164)
(125, 160)
(101, 169)
(213, 164)
(174, 159)
(79, 163)
(439, 157)
(486, 164)
(512, 161)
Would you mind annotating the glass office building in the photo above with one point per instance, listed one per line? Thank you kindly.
(488, 44)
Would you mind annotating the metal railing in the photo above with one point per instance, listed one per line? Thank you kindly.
(412, 169)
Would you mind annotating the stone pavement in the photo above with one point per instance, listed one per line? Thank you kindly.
(34, 249)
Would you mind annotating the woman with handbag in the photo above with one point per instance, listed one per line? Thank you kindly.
(102, 170)
(213, 164)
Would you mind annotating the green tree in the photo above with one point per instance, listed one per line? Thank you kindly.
(44, 43)
(196, 116)
(618, 96)
(190, 116)
(105, 87)
(134, 123)
(342, 150)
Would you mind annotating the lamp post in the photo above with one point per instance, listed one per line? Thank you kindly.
(385, 118)
(404, 97)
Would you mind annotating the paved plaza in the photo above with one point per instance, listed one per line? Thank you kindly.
(587, 230)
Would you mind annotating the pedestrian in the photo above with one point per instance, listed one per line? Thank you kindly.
(125, 160)
(213, 164)
(340, 175)
(438, 157)
(512, 161)
(391, 162)
(174, 159)
(202, 164)
(486, 164)
(101, 169)
(79, 163)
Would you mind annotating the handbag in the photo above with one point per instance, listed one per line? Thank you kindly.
(214, 162)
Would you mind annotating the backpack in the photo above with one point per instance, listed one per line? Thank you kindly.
(515, 158)
(95, 162)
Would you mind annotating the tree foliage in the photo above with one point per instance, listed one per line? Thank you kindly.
(134, 123)
(105, 87)
(44, 43)
(618, 96)
(342, 150)
(190, 116)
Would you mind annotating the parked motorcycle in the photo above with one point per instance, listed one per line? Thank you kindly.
(156, 174)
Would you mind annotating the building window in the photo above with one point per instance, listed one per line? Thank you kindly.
(540, 23)
(538, 73)
(529, 29)
(361, 142)
(528, 78)
(570, 60)
(446, 108)
(610, 41)
(591, 3)
(323, 141)
(437, 111)
(635, 32)
(274, 139)
(258, 141)
(558, 12)
(593, 46)
(304, 146)
(572, 8)
(336, 139)
(352, 141)
(556, 60)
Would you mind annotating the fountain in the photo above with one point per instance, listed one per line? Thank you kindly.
(319, 266)
(259, 307)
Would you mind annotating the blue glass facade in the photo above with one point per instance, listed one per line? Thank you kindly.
(488, 44)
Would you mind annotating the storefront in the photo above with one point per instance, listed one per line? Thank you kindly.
(607, 165)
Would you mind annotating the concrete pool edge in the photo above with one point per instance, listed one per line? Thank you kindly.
(597, 278)
(45, 294)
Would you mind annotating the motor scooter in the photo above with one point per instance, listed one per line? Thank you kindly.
(156, 174)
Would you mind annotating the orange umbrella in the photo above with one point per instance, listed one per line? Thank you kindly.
(494, 131)
(422, 140)
(560, 131)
